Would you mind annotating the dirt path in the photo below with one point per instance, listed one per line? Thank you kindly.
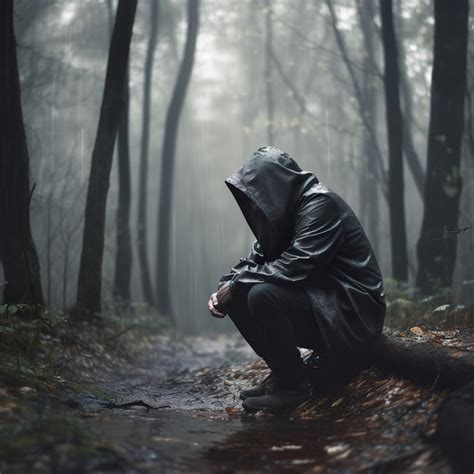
(373, 424)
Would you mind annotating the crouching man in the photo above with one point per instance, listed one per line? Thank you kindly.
(311, 279)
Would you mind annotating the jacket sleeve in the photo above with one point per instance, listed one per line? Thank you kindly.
(253, 258)
(318, 235)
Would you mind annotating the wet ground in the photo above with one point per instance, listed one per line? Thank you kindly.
(375, 423)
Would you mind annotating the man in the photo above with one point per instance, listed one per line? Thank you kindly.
(311, 279)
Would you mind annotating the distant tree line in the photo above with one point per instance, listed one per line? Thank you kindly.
(440, 184)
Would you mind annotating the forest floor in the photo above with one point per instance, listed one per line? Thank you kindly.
(68, 412)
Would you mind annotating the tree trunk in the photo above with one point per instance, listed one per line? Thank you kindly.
(436, 251)
(424, 362)
(395, 145)
(142, 232)
(368, 175)
(17, 249)
(268, 72)
(341, 44)
(167, 162)
(90, 270)
(411, 156)
(123, 257)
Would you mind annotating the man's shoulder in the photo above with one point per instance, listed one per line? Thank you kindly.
(322, 192)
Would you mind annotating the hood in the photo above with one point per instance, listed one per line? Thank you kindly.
(267, 188)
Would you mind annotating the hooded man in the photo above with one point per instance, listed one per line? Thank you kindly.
(310, 280)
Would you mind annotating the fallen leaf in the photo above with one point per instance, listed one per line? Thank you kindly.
(417, 331)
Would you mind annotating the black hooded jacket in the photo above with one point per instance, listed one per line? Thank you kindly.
(307, 235)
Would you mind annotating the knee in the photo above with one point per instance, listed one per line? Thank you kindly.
(260, 297)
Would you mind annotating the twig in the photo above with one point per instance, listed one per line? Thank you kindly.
(136, 403)
(453, 232)
(120, 333)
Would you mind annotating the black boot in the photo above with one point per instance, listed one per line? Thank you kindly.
(258, 390)
(283, 396)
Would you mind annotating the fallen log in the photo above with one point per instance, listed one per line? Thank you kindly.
(423, 362)
(449, 368)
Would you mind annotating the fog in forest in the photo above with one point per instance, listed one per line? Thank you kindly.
(304, 76)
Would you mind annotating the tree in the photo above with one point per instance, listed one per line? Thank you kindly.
(17, 249)
(436, 252)
(143, 174)
(395, 144)
(379, 169)
(123, 257)
(167, 161)
(368, 186)
(90, 270)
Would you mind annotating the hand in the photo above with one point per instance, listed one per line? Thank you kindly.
(212, 303)
(224, 298)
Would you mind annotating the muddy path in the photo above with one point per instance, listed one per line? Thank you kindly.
(374, 424)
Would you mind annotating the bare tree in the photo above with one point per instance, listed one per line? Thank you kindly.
(123, 256)
(436, 252)
(368, 185)
(395, 144)
(143, 174)
(90, 271)
(412, 158)
(167, 161)
(17, 249)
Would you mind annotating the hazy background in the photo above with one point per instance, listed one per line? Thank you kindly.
(63, 47)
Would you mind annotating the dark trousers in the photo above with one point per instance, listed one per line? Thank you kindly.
(275, 320)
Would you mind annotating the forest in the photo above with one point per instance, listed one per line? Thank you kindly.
(121, 122)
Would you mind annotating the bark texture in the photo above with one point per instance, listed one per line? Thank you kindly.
(123, 256)
(395, 145)
(142, 226)
(368, 184)
(424, 362)
(175, 107)
(17, 250)
(90, 271)
(435, 250)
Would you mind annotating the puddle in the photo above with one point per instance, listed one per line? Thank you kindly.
(176, 441)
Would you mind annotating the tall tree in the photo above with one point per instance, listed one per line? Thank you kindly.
(395, 144)
(123, 256)
(436, 248)
(412, 158)
(368, 185)
(17, 250)
(168, 158)
(89, 288)
(358, 94)
(143, 173)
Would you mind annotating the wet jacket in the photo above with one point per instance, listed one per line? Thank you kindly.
(308, 236)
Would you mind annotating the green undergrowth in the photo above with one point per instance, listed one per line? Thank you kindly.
(406, 308)
(48, 368)
(36, 343)
(35, 439)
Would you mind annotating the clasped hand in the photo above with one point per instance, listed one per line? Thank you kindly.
(219, 301)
